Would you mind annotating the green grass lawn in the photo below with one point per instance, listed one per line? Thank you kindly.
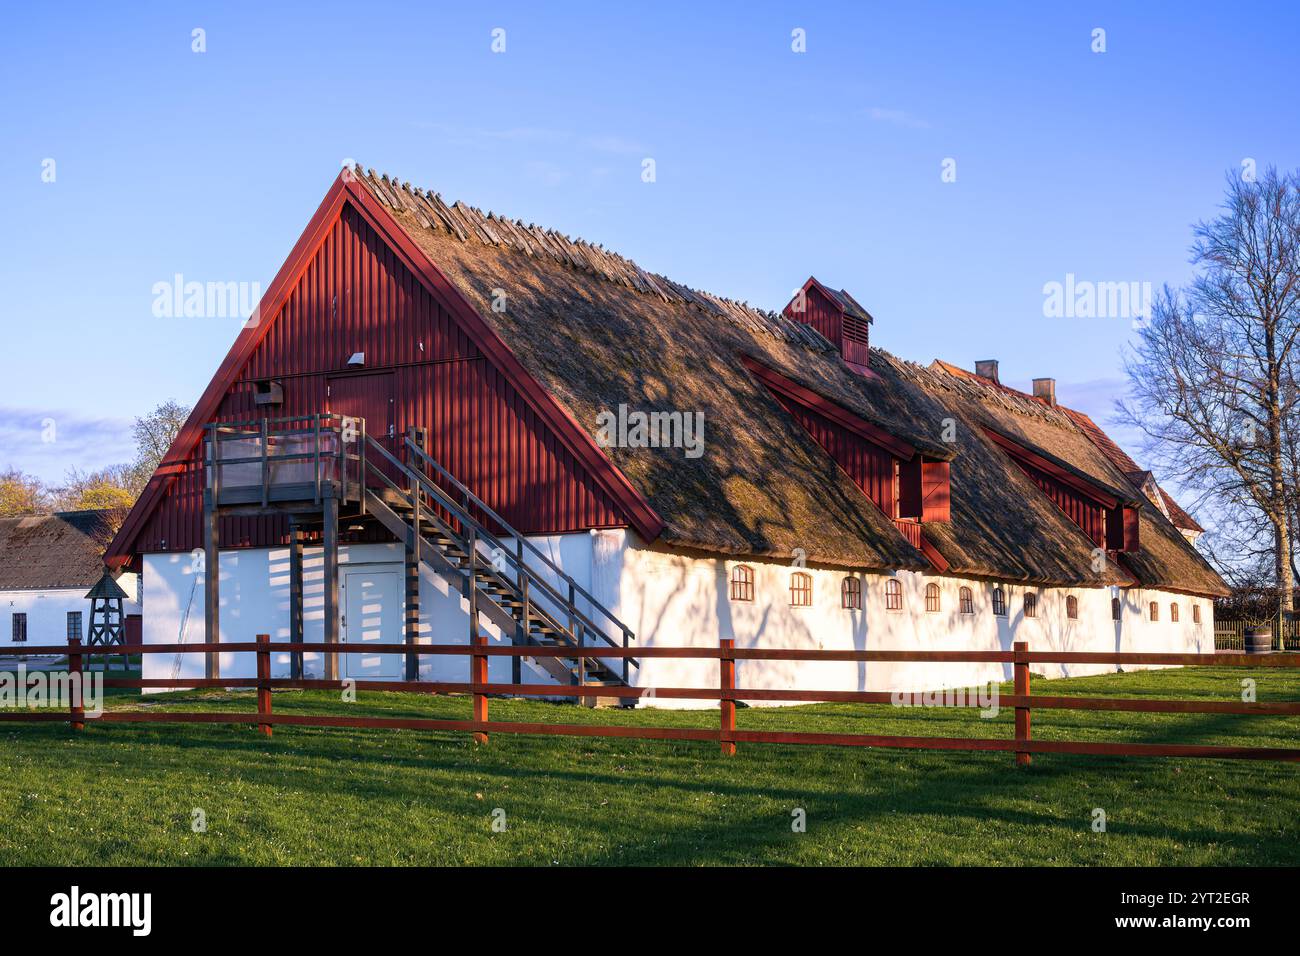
(125, 794)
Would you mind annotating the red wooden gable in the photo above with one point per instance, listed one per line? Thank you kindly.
(353, 286)
(1107, 521)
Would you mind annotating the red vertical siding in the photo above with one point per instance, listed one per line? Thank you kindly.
(821, 313)
(1082, 510)
(356, 296)
(870, 466)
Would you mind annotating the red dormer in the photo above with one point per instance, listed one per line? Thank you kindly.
(839, 318)
(909, 487)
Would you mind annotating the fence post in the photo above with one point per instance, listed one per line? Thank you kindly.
(478, 674)
(263, 676)
(77, 717)
(1021, 671)
(727, 703)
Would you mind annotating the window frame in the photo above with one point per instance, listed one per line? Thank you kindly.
(1173, 612)
(18, 632)
(1031, 604)
(742, 584)
(893, 594)
(999, 601)
(1071, 607)
(801, 586)
(851, 593)
(1196, 614)
(965, 601)
(933, 598)
(74, 616)
(1116, 609)
(1153, 611)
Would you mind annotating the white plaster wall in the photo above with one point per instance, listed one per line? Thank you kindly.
(671, 599)
(254, 599)
(674, 599)
(47, 611)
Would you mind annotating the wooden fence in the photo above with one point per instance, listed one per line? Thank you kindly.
(1021, 658)
(1231, 635)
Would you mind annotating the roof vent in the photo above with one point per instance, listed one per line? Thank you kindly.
(839, 317)
(1045, 390)
(987, 368)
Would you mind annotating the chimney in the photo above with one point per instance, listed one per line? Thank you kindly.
(987, 368)
(1045, 390)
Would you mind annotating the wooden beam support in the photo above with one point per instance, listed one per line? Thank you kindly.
(412, 611)
(330, 534)
(295, 598)
(211, 585)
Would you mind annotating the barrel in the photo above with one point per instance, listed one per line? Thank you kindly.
(1259, 640)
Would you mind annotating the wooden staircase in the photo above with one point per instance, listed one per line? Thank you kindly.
(504, 577)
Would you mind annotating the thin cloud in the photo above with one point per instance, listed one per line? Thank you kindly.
(48, 442)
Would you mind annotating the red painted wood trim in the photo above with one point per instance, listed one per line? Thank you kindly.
(250, 336)
(932, 554)
(347, 189)
(578, 441)
(828, 409)
(1086, 488)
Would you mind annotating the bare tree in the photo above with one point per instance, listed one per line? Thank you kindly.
(1213, 374)
(154, 434)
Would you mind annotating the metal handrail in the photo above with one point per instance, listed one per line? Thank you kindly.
(523, 570)
(478, 502)
(568, 603)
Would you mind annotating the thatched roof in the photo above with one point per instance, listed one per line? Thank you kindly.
(598, 332)
(63, 550)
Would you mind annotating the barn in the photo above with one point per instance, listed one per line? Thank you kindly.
(48, 564)
(441, 422)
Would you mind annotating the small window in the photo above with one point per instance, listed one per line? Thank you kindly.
(999, 602)
(893, 595)
(1072, 607)
(20, 628)
(1153, 609)
(800, 589)
(851, 594)
(1173, 612)
(932, 598)
(74, 625)
(966, 601)
(1031, 605)
(1196, 614)
(1114, 609)
(742, 583)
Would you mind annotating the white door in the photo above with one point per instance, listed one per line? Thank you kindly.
(373, 614)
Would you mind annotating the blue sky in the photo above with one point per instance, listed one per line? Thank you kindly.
(770, 164)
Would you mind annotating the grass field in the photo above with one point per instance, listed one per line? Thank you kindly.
(125, 794)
